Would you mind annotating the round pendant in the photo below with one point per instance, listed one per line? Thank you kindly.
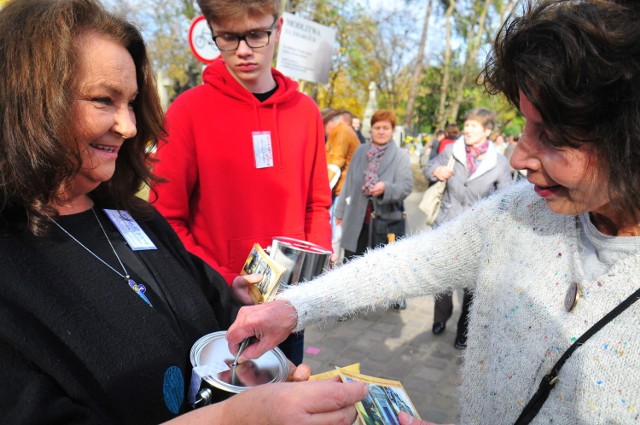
(571, 298)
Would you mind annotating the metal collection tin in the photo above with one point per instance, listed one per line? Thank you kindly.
(302, 260)
(272, 366)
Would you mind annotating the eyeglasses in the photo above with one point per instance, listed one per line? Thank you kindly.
(254, 39)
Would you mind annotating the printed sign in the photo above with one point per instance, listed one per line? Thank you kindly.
(305, 49)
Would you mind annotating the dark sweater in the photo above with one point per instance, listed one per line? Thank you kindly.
(77, 345)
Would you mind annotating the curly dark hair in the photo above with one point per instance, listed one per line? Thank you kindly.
(38, 152)
(578, 62)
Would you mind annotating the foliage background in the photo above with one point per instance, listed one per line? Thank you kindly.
(375, 43)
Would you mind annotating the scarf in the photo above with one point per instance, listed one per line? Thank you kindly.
(473, 152)
(374, 154)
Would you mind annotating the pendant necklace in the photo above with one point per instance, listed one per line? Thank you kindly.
(137, 288)
(575, 287)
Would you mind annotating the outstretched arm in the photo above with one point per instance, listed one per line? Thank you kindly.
(299, 403)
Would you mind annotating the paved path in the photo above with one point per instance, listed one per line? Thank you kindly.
(397, 345)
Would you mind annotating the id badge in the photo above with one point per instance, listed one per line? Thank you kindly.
(130, 230)
(262, 151)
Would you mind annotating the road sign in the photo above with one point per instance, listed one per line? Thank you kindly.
(201, 41)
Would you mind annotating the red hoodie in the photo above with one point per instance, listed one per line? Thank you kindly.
(215, 198)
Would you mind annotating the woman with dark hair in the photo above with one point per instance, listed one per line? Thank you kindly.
(100, 303)
(476, 171)
(553, 329)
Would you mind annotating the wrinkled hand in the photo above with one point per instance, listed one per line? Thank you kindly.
(442, 173)
(377, 190)
(329, 402)
(240, 287)
(407, 419)
(266, 324)
(318, 402)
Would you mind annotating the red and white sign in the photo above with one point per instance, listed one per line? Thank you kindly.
(201, 41)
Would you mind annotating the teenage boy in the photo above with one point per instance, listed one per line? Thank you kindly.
(244, 158)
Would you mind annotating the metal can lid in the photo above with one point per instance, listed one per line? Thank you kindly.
(212, 349)
(300, 245)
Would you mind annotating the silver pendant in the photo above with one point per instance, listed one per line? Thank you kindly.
(571, 298)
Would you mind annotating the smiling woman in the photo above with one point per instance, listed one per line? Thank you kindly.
(103, 113)
(69, 96)
(110, 301)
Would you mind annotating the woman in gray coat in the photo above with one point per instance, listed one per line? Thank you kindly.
(378, 181)
(478, 171)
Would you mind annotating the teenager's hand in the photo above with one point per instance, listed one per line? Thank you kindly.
(240, 287)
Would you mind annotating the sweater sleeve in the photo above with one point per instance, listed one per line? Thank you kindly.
(177, 165)
(428, 263)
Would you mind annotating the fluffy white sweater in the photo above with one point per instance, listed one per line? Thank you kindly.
(520, 259)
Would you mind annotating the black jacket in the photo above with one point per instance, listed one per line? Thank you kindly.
(77, 345)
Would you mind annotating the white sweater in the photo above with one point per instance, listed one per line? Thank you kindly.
(520, 259)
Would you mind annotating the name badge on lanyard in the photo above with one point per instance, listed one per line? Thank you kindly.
(130, 230)
(262, 150)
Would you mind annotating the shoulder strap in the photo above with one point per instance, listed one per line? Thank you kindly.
(549, 380)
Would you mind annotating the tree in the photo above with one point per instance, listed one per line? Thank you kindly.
(474, 37)
(165, 26)
(392, 59)
(444, 88)
(417, 71)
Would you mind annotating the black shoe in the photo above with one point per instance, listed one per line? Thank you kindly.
(401, 305)
(461, 343)
(438, 327)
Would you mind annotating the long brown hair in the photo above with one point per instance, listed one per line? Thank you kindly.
(38, 64)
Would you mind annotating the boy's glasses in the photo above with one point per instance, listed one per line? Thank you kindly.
(254, 39)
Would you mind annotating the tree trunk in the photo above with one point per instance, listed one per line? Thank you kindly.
(473, 44)
(444, 89)
(417, 72)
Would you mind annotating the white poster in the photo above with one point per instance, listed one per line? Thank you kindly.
(305, 49)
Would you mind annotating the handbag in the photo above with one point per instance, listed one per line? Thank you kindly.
(432, 198)
(383, 230)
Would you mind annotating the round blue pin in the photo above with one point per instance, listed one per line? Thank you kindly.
(173, 389)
